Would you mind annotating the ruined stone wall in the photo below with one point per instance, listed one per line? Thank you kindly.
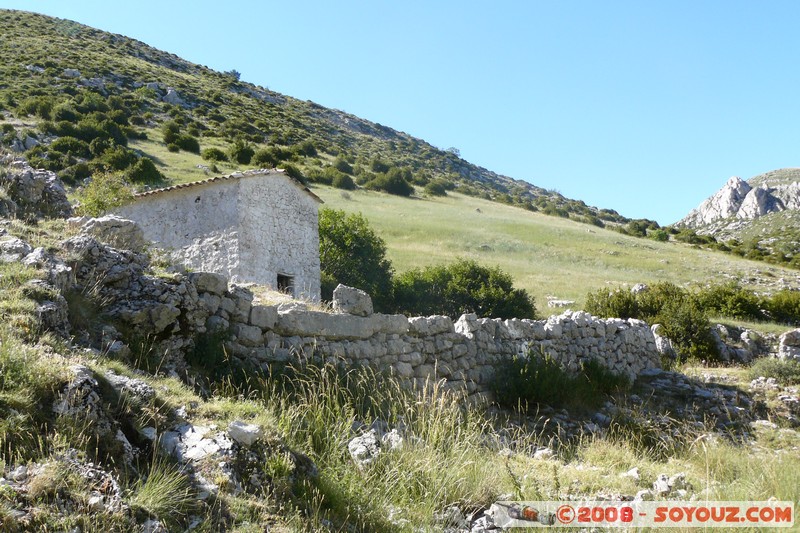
(464, 354)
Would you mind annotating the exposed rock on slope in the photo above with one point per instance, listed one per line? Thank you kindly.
(772, 192)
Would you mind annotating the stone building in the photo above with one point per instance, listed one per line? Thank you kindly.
(257, 226)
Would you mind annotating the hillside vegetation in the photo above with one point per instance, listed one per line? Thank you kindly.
(63, 79)
(547, 256)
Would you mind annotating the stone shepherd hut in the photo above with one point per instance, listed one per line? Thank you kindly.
(257, 226)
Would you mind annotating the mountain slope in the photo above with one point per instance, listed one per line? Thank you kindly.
(50, 68)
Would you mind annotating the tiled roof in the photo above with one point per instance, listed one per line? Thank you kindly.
(235, 175)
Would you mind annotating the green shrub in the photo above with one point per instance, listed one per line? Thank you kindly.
(659, 235)
(785, 371)
(686, 325)
(619, 303)
(392, 182)
(188, 143)
(293, 172)
(214, 154)
(174, 148)
(680, 313)
(526, 382)
(436, 188)
(731, 300)
(784, 307)
(117, 158)
(40, 106)
(170, 130)
(343, 181)
(241, 152)
(76, 173)
(461, 287)
(264, 158)
(144, 171)
(351, 253)
(71, 145)
(105, 192)
(342, 165)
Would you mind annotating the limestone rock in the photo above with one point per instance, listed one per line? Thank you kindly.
(351, 301)
(365, 448)
(209, 282)
(13, 249)
(33, 193)
(264, 316)
(725, 203)
(115, 231)
(789, 345)
(172, 97)
(243, 433)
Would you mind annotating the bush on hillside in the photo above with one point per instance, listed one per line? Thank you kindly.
(144, 171)
(343, 181)
(461, 287)
(241, 152)
(342, 165)
(351, 253)
(784, 307)
(264, 158)
(731, 300)
(785, 371)
(71, 146)
(392, 182)
(436, 188)
(214, 154)
(680, 312)
(188, 143)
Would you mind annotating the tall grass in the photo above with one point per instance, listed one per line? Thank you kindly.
(441, 462)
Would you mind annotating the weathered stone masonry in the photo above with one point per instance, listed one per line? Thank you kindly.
(258, 226)
(464, 354)
(176, 311)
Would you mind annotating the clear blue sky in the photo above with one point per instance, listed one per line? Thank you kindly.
(639, 106)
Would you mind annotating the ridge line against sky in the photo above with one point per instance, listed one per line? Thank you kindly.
(643, 107)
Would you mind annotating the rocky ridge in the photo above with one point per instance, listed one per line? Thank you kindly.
(740, 200)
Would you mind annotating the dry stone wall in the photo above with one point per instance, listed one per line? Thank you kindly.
(464, 353)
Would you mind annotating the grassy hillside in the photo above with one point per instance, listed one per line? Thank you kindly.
(84, 83)
(548, 256)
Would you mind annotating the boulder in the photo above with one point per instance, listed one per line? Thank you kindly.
(430, 325)
(639, 288)
(351, 301)
(365, 449)
(789, 345)
(115, 231)
(13, 249)
(33, 193)
(302, 323)
(172, 97)
(243, 433)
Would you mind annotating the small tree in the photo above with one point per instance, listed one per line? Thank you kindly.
(351, 253)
